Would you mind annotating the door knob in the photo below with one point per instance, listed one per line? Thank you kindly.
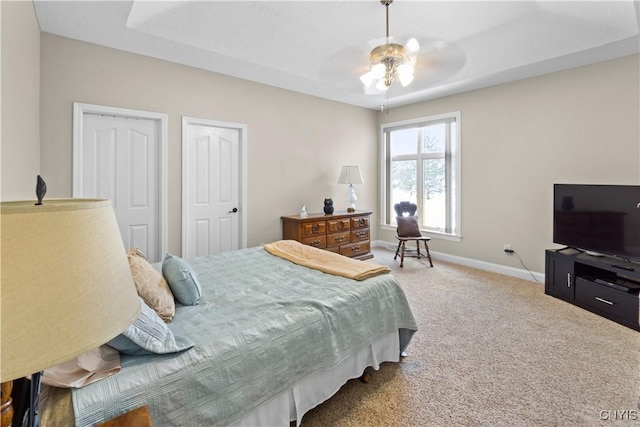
(234, 210)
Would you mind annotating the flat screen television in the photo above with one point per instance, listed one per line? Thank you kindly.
(599, 219)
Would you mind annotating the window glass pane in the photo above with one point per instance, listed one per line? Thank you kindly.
(434, 197)
(404, 141)
(404, 183)
(434, 138)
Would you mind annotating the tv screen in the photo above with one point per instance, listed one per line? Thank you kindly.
(604, 219)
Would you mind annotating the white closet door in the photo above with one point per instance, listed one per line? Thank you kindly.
(211, 188)
(120, 163)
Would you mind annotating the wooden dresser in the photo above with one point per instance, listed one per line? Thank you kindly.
(346, 233)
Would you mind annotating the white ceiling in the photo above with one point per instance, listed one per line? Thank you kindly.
(322, 47)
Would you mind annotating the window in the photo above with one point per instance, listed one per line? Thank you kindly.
(422, 165)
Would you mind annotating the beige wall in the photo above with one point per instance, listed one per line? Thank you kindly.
(20, 143)
(579, 125)
(575, 126)
(296, 143)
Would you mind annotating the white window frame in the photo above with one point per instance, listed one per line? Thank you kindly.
(453, 159)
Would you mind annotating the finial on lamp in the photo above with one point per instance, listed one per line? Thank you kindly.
(41, 190)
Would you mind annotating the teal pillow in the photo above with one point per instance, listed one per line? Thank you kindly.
(149, 334)
(182, 280)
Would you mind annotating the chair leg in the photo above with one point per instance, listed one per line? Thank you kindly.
(428, 253)
(397, 249)
(418, 247)
(402, 254)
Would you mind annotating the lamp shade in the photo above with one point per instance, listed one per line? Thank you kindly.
(66, 286)
(350, 175)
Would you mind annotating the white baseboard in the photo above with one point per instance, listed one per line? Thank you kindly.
(470, 262)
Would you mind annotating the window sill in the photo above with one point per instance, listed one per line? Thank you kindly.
(432, 234)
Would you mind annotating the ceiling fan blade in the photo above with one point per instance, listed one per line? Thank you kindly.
(437, 61)
(412, 46)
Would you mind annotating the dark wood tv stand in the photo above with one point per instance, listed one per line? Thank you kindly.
(603, 285)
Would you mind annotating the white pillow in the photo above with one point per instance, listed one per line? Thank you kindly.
(150, 333)
(151, 286)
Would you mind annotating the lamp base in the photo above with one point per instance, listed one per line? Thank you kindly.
(32, 418)
(351, 199)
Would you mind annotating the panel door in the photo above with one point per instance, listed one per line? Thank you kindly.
(119, 162)
(211, 193)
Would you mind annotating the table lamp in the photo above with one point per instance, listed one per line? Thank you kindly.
(66, 287)
(351, 175)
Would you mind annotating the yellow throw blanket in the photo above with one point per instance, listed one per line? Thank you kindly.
(327, 262)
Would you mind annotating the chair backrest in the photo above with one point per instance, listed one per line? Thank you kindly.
(405, 209)
(407, 221)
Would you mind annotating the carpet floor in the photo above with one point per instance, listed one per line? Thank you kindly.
(493, 350)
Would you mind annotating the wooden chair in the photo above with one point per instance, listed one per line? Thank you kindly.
(409, 230)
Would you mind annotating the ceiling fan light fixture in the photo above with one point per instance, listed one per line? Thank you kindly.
(381, 85)
(406, 80)
(378, 70)
(367, 78)
(390, 62)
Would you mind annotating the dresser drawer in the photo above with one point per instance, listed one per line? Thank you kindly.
(359, 235)
(608, 300)
(337, 225)
(314, 228)
(337, 239)
(319, 242)
(354, 249)
(359, 222)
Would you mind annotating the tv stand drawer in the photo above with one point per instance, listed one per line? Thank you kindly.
(607, 300)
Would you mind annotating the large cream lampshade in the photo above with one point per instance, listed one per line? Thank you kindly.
(66, 286)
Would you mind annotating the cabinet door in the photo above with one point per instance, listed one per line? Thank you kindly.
(559, 277)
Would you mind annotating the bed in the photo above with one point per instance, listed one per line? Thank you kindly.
(271, 340)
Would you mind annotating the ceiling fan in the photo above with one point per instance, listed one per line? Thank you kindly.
(390, 62)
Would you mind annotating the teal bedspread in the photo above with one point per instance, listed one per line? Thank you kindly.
(263, 324)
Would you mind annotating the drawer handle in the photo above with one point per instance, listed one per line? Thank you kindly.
(339, 238)
(361, 222)
(604, 300)
(361, 233)
(314, 228)
(315, 243)
(355, 248)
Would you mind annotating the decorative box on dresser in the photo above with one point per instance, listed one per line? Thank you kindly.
(346, 233)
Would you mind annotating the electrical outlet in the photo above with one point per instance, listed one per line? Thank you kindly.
(507, 247)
